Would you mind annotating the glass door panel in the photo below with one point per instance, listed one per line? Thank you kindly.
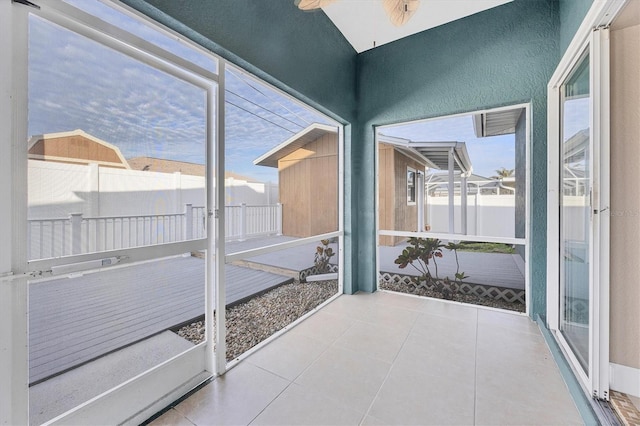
(575, 222)
(116, 171)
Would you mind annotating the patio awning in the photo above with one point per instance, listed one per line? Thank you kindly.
(434, 155)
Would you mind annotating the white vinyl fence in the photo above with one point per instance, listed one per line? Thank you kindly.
(492, 215)
(77, 234)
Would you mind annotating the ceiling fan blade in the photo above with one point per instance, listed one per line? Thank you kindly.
(312, 4)
(400, 11)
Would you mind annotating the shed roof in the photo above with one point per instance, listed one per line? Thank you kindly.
(295, 142)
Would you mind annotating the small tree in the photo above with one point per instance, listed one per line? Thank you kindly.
(418, 254)
(459, 276)
(423, 252)
(324, 253)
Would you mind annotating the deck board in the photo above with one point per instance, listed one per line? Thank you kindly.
(491, 269)
(74, 320)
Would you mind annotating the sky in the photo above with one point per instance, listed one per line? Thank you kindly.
(146, 112)
(77, 83)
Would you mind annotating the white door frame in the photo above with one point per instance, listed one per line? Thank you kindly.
(593, 35)
(141, 396)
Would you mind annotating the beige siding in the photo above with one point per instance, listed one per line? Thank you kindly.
(75, 147)
(386, 192)
(309, 188)
(394, 212)
(625, 197)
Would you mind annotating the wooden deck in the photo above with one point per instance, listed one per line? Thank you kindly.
(490, 269)
(75, 320)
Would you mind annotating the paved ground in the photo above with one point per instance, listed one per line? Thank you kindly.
(66, 391)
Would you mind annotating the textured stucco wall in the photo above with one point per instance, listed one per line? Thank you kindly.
(499, 57)
(571, 12)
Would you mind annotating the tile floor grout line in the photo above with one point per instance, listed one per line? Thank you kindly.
(271, 402)
(293, 382)
(386, 377)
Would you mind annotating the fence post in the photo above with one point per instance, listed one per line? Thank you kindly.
(279, 219)
(188, 221)
(243, 221)
(76, 232)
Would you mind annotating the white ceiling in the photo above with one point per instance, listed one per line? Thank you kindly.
(365, 24)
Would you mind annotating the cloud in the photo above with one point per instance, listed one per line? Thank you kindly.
(77, 83)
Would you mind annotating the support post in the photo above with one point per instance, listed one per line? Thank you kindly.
(451, 193)
(463, 202)
(243, 221)
(279, 219)
(188, 221)
(420, 200)
(76, 232)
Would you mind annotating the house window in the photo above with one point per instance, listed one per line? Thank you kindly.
(411, 186)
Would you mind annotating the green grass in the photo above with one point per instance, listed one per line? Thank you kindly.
(487, 247)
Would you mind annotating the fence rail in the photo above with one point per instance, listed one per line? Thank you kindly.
(48, 238)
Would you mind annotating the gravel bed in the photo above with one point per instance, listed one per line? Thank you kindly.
(458, 297)
(252, 322)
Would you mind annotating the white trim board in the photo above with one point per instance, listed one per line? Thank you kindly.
(624, 379)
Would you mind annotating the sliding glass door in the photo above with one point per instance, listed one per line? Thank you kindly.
(117, 162)
(575, 222)
(578, 209)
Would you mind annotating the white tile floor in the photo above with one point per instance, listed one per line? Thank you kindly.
(384, 358)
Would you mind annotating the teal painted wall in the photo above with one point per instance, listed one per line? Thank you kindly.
(571, 12)
(502, 56)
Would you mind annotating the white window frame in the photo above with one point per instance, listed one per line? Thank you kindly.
(411, 183)
(592, 35)
(140, 396)
(449, 236)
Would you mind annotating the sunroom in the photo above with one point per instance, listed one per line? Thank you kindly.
(170, 90)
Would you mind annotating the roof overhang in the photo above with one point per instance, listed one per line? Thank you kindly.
(434, 155)
(496, 123)
(402, 146)
(295, 142)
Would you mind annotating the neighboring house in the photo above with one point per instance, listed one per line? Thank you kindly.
(76, 147)
(308, 180)
(401, 183)
(402, 165)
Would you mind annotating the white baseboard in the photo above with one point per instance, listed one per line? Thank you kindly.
(624, 379)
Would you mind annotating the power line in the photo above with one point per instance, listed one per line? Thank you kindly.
(246, 81)
(260, 117)
(264, 108)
